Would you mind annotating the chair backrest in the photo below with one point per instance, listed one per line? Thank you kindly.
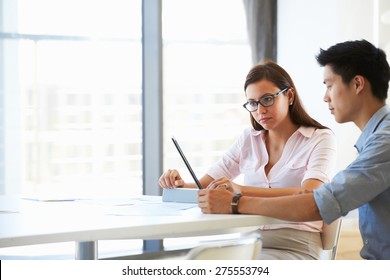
(330, 238)
(242, 248)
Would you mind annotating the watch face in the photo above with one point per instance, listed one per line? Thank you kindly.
(236, 196)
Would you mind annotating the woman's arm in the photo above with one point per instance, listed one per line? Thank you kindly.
(319, 168)
(171, 179)
(204, 181)
(308, 185)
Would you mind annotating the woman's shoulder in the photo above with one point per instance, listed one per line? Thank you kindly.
(251, 132)
(324, 132)
(325, 136)
(316, 135)
(310, 131)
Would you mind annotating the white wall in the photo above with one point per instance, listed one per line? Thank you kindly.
(305, 26)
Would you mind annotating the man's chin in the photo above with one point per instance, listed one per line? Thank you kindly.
(340, 120)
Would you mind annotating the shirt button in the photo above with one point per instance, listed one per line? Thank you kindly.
(366, 241)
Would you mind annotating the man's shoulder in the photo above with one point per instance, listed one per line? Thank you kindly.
(379, 124)
(384, 124)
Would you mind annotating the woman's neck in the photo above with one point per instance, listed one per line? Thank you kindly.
(282, 134)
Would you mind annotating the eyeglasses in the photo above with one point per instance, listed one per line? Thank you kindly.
(265, 101)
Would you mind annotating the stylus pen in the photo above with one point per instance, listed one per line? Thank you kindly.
(187, 163)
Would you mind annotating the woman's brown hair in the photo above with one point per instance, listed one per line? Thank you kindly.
(274, 73)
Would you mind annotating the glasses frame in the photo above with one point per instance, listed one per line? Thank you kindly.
(260, 102)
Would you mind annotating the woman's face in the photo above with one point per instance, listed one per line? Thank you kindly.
(271, 117)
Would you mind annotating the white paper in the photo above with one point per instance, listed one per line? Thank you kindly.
(151, 209)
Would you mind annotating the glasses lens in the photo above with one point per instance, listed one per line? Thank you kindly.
(267, 100)
(251, 106)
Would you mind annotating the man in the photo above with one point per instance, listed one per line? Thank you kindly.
(356, 75)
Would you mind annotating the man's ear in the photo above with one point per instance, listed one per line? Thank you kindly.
(358, 83)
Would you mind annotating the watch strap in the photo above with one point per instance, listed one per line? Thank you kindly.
(234, 204)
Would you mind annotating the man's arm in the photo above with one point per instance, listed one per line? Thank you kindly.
(299, 208)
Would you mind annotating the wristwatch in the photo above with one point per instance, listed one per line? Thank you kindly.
(236, 197)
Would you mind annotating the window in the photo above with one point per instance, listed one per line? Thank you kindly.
(206, 59)
(70, 91)
(72, 97)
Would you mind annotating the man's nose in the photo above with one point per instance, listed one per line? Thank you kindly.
(326, 97)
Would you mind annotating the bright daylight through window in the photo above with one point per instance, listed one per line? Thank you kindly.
(71, 93)
(72, 73)
(206, 59)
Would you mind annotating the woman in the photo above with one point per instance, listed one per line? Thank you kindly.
(284, 152)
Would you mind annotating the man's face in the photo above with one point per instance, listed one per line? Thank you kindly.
(340, 97)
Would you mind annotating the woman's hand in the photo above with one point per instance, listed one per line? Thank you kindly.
(224, 183)
(171, 179)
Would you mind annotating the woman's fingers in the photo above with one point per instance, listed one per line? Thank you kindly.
(171, 179)
(222, 182)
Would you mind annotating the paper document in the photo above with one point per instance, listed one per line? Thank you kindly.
(9, 204)
(151, 209)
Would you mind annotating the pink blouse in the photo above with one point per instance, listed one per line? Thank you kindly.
(308, 154)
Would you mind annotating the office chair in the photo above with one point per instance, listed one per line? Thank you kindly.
(247, 247)
(330, 238)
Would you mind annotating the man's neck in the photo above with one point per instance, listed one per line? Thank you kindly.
(368, 110)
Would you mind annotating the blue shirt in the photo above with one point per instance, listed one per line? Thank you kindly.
(364, 184)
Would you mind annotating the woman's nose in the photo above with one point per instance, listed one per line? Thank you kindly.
(261, 109)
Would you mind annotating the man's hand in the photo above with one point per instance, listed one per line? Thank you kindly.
(215, 201)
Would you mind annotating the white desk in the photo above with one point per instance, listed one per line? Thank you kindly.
(86, 222)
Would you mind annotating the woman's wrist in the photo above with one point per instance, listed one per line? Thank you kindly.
(188, 186)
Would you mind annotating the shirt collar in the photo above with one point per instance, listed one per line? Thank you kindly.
(371, 126)
(304, 130)
(307, 131)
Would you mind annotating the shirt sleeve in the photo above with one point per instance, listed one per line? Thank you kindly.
(323, 157)
(229, 165)
(364, 179)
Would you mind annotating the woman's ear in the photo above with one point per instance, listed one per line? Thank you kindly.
(291, 95)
